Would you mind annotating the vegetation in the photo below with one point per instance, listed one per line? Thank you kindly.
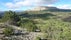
(54, 24)
(10, 17)
(37, 38)
(28, 24)
(8, 31)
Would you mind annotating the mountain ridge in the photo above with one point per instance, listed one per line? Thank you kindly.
(41, 8)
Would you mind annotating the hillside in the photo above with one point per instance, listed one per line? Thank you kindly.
(47, 8)
(36, 25)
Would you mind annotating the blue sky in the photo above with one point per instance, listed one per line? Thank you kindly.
(28, 4)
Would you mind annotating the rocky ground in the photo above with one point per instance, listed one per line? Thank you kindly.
(30, 36)
(22, 36)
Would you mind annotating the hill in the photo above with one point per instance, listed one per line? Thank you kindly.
(46, 8)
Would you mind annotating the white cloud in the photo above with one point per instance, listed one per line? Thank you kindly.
(51, 5)
(27, 3)
(11, 5)
(65, 6)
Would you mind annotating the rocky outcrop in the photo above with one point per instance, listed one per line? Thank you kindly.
(40, 8)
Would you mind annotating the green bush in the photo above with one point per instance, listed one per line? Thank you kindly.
(8, 31)
(28, 24)
(37, 38)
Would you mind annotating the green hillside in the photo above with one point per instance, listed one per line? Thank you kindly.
(54, 25)
(57, 25)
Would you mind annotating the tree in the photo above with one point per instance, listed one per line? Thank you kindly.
(10, 17)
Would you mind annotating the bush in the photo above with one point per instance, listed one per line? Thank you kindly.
(37, 38)
(28, 24)
(8, 31)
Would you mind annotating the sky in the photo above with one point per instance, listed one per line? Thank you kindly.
(6, 5)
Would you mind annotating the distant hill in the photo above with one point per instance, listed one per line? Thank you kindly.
(46, 8)
(1, 14)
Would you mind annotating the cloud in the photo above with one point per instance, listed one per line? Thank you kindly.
(28, 3)
(47, 1)
(11, 5)
(51, 5)
(65, 6)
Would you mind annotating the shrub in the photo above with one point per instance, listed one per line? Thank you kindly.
(8, 31)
